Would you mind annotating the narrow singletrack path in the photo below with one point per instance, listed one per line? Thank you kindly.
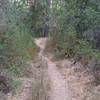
(59, 89)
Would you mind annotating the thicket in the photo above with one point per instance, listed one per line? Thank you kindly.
(76, 32)
(16, 43)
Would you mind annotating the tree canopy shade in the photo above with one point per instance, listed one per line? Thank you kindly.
(77, 27)
(15, 39)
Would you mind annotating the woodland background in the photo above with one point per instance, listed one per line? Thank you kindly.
(72, 25)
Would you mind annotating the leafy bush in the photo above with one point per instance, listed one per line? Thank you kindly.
(79, 28)
(15, 39)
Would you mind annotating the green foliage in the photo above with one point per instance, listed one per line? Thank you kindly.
(38, 17)
(15, 39)
(78, 23)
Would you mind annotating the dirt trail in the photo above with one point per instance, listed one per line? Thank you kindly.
(64, 82)
(59, 89)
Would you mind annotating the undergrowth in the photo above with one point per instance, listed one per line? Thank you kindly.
(71, 47)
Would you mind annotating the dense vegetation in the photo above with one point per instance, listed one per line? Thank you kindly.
(73, 26)
(75, 32)
(17, 47)
(77, 28)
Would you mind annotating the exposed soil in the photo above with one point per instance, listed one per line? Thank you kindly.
(59, 89)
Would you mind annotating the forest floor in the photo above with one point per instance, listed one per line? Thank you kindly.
(60, 79)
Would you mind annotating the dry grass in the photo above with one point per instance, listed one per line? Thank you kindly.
(80, 81)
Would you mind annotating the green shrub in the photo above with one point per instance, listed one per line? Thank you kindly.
(15, 39)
